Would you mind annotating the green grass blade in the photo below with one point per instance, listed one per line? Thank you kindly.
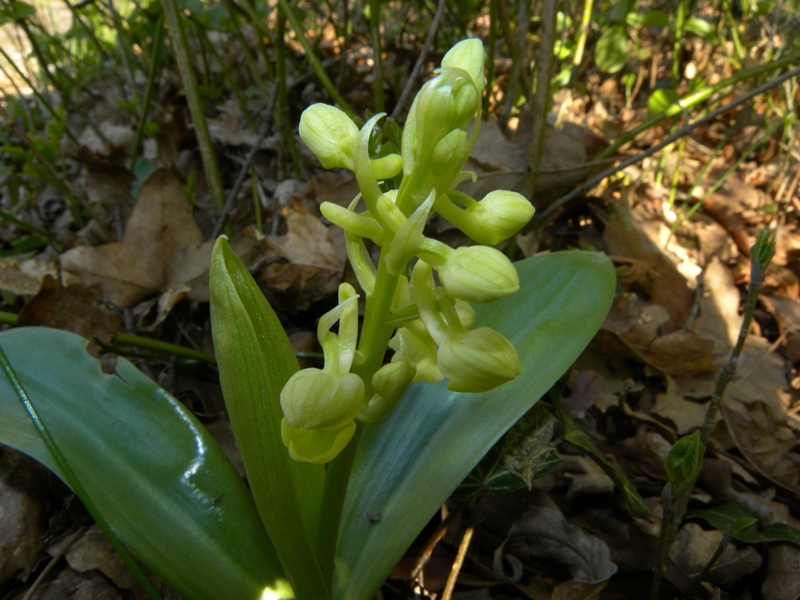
(408, 464)
(255, 360)
(155, 474)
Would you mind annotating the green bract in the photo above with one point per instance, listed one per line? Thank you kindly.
(330, 134)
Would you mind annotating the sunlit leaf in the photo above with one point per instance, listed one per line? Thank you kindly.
(684, 462)
(611, 51)
(743, 525)
(162, 483)
(255, 360)
(409, 463)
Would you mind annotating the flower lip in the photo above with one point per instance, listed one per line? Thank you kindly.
(314, 399)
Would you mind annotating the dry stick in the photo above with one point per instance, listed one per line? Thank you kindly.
(66, 545)
(427, 551)
(52, 170)
(263, 132)
(760, 256)
(458, 562)
(542, 217)
(541, 95)
(516, 69)
(412, 78)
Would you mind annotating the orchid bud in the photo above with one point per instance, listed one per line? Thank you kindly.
(468, 103)
(450, 153)
(478, 361)
(467, 55)
(478, 274)
(313, 399)
(414, 342)
(330, 134)
(466, 314)
(498, 216)
(387, 166)
(389, 383)
(316, 446)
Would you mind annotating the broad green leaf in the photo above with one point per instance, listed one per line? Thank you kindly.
(662, 99)
(611, 51)
(255, 360)
(21, 10)
(684, 462)
(409, 463)
(737, 518)
(159, 479)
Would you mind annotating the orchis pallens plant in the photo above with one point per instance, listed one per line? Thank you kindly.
(427, 326)
(467, 357)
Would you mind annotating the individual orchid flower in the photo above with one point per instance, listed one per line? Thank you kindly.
(320, 406)
(474, 361)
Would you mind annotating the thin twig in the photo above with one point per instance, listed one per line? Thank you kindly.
(676, 501)
(423, 55)
(543, 216)
(541, 96)
(237, 186)
(63, 549)
(458, 562)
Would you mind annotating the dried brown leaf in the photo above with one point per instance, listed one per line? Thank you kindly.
(161, 245)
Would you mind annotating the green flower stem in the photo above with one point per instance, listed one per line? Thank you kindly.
(375, 334)
(333, 495)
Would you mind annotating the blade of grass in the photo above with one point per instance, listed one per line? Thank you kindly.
(158, 40)
(313, 60)
(183, 60)
(542, 217)
(377, 49)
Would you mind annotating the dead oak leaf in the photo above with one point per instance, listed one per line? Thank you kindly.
(310, 269)
(161, 245)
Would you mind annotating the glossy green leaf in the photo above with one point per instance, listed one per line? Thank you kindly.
(255, 360)
(156, 475)
(409, 463)
(702, 28)
(684, 462)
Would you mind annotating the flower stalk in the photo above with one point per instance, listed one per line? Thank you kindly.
(426, 326)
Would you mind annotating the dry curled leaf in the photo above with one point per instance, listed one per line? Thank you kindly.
(546, 534)
(161, 245)
(75, 308)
